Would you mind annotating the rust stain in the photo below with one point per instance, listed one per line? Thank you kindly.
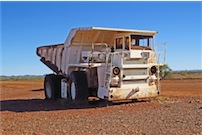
(133, 91)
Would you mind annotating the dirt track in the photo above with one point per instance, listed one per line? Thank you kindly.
(177, 111)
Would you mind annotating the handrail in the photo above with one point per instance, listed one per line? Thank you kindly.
(160, 53)
(91, 54)
(158, 61)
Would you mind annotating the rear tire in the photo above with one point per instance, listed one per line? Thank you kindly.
(78, 87)
(52, 87)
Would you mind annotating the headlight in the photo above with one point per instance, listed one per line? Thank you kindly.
(116, 71)
(114, 81)
(153, 69)
(152, 80)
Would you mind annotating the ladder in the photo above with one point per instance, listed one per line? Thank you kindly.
(158, 60)
(108, 70)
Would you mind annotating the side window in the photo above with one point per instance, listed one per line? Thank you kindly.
(143, 42)
(133, 42)
(119, 43)
(127, 43)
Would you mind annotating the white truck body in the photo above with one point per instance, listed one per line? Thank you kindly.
(117, 62)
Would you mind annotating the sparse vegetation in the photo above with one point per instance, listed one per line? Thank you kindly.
(167, 73)
(18, 78)
(165, 70)
(187, 75)
(184, 73)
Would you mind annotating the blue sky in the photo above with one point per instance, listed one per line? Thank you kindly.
(27, 25)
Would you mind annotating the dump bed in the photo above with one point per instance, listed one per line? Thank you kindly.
(52, 56)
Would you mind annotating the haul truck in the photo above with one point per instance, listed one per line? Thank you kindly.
(111, 64)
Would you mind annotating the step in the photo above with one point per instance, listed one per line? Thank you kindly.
(135, 77)
(135, 66)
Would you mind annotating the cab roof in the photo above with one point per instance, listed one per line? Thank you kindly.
(89, 35)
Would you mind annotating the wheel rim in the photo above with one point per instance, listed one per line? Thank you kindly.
(73, 91)
(48, 90)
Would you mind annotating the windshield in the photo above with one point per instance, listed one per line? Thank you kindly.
(138, 40)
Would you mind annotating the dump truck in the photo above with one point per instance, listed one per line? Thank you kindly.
(107, 63)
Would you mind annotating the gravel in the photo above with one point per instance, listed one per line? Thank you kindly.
(178, 111)
(170, 115)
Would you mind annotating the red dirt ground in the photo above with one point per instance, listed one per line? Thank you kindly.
(181, 87)
(177, 111)
(34, 89)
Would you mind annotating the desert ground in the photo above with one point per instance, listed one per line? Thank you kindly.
(177, 111)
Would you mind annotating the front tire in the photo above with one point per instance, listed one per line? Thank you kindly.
(78, 87)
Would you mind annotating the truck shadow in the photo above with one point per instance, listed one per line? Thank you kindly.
(36, 90)
(34, 105)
